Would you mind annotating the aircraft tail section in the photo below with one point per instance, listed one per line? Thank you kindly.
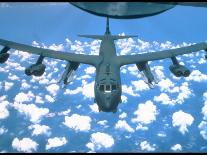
(107, 34)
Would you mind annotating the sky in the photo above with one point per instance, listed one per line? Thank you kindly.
(37, 115)
(25, 22)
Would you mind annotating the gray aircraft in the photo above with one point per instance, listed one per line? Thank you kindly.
(107, 88)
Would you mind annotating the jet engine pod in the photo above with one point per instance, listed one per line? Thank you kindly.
(69, 72)
(179, 70)
(4, 55)
(144, 67)
(28, 71)
(35, 69)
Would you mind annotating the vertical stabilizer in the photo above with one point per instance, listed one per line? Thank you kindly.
(107, 33)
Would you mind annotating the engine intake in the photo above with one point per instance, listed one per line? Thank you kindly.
(179, 70)
(4, 55)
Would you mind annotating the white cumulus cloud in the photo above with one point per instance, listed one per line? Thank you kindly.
(176, 147)
(166, 85)
(88, 89)
(128, 90)
(146, 113)
(8, 85)
(73, 92)
(141, 127)
(123, 115)
(49, 98)
(197, 76)
(90, 70)
(164, 99)
(94, 108)
(78, 122)
(39, 129)
(32, 111)
(25, 145)
(184, 92)
(3, 131)
(145, 146)
(100, 140)
(203, 129)
(38, 99)
(123, 125)
(53, 89)
(123, 99)
(102, 122)
(4, 113)
(140, 85)
(25, 85)
(204, 109)
(22, 97)
(57, 47)
(56, 142)
(182, 120)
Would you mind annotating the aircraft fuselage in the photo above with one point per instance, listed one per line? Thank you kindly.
(107, 86)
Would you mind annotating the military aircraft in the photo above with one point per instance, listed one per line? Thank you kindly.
(107, 88)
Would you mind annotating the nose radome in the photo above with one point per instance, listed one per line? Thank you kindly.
(107, 106)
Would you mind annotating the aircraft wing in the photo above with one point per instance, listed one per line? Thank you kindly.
(133, 59)
(81, 58)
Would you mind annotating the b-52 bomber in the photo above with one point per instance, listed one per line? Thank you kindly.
(107, 88)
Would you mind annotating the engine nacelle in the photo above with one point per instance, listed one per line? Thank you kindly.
(144, 67)
(4, 55)
(69, 72)
(179, 70)
(36, 70)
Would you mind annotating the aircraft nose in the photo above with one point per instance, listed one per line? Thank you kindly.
(107, 105)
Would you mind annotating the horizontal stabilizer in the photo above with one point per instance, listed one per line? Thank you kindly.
(99, 37)
(115, 37)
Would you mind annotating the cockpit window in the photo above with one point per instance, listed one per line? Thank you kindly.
(101, 88)
(107, 88)
(113, 87)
